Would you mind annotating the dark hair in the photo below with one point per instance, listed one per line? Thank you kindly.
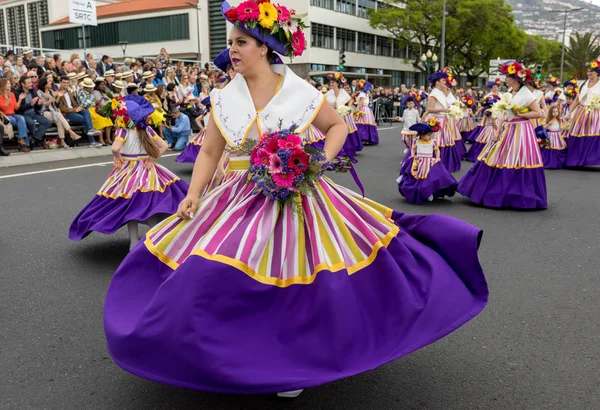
(269, 49)
(171, 86)
(104, 57)
(23, 79)
(42, 83)
(56, 57)
(64, 78)
(32, 65)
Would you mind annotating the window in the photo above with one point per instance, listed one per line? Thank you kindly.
(347, 6)
(318, 67)
(381, 5)
(396, 78)
(175, 27)
(17, 36)
(360, 70)
(363, 6)
(366, 43)
(384, 46)
(324, 4)
(346, 39)
(321, 35)
(410, 78)
(399, 50)
(2, 32)
(38, 17)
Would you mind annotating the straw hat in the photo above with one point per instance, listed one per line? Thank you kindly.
(119, 84)
(87, 83)
(99, 79)
(27, 51)
(71, 76)
(81, 76)
(147, 74)
(127, 74)
(132, 85)
(109, 73)
(149, 88)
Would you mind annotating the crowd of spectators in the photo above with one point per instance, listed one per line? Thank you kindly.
(37, 93)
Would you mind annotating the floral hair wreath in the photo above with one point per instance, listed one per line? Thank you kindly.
(281, 27)
(594, 65)
(338, 78)
(451, 81)
(468, 101)
(434, 124)
(553, 81)
(571, 93)
(514, 69)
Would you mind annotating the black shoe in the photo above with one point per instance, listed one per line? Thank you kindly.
(3, 153)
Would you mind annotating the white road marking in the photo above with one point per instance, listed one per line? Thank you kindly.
(44, 171)
(387, 128)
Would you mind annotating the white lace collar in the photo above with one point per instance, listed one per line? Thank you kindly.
(295, 103)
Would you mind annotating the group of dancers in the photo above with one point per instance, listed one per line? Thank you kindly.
(230, 291)
(521, 132)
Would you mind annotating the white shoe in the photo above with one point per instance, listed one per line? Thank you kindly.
(93, 132)
(95, 145)
(430, 199)
(399, 179)
(290, 394)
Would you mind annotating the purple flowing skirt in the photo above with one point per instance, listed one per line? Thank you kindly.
(209, 326)
(553, 158)
(189, 153)
(450, 158)
(461, 148)
(439, 183)
(523, 188)
(353, 144)
(471, 136)
(368, 134)
(107, 215)
(583, 151)
(474, 151)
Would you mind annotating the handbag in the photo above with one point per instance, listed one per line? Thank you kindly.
(9, 131)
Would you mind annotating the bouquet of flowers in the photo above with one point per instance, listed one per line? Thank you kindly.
(592, 103)
(284, 169)
(455, 112)
(107, 109)
(343, 110)
(505, 106)
(359, 113)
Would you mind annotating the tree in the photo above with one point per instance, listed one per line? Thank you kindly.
(540, 51)
(476, 30)
(582, 50)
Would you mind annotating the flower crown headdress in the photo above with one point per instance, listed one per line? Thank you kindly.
(553, 81)
(514, 70)
(451, 81)
(434, 124)
(468, 101)
(594, 65)
(275, 25)
(338, 78)
(571, 93)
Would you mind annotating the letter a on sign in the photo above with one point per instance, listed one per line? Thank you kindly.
(83, 12)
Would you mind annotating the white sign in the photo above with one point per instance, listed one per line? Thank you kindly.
(83, 12)
(494, 77)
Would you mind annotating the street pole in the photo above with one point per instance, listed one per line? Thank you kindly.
(197, 7)
(562, 52)
(443, 54)
(83, 32)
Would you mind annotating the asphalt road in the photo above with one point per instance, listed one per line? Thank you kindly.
(536, 346)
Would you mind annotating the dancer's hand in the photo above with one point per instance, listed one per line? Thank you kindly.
(118, 162)
(148, 163)
(187, 208)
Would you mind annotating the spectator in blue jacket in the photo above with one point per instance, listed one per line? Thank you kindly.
(31, 109)
(178, 135)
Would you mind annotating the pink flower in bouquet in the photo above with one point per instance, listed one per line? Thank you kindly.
(284, 179)
(290, 142)
(247, 10)
(299, 161)
(272, 146)
(275, 164)
(262, 157)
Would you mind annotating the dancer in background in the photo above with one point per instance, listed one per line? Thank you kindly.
(137, 190)
(426, 177)
(339, 99)
(437, 107)
(584, 135)
(452, 120)
(511, 175)
(365, 120)
(488, 130)
(240, 293)
(554, 150)
(466, 123)
(554, 93)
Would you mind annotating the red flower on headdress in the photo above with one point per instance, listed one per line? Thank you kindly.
(247, 11)
(232, 14)
(298, 43)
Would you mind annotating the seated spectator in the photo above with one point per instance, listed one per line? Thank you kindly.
(34, 80)
(40, 62)
(177, 135)
(109, 77)
(2, 152)
(30, 107)
(127, 77)
(87, 101)
(5, 70)
(63, 70)
(31, 67)
(28, 57)
(8, 106)
(119, 88)
(19, 68)
(172, 100)
(147, 79)
(51, 112)
(132, 88)
(170, 77)
(157, 118)
(67, 104)
(102, 99)
(71, 65)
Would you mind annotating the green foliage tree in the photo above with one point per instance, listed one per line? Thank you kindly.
(476, 30)
(582, 49)
(544, 52)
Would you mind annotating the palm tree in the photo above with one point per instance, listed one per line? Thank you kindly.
(583, 49)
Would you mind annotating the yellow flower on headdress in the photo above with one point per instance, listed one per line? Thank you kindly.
(511, 69)
(594, 65)
(268, 15)
(432, 122)
(337, 75)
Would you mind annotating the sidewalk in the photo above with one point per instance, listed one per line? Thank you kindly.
(43, 156)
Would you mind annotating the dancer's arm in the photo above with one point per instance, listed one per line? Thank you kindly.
(116, 151)
(334, 128)
(430, 106)
(534, 111)
(204, 168)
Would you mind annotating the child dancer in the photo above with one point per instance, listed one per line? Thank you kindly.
(488, 128)
(554, 151)
(138, 189)
(426, 177)
(466, 122)
(365, 120)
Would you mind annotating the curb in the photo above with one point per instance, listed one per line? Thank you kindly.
(41, 157)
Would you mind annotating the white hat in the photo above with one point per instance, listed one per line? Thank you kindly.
(147, 74)
(27, 51)
(71, 76)
(127, 74)
(109, 73)
(87, 83)
(119, 84)
(149, 88)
